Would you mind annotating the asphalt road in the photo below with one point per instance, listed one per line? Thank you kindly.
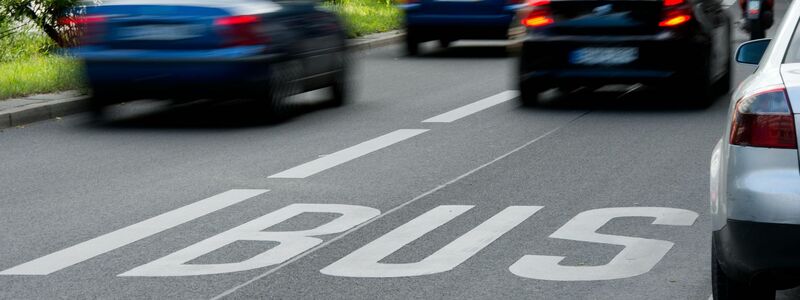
(454, 207)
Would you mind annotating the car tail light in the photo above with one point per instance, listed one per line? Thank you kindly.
(538, 14)
(676, 13)
(84, 29)
(764, 119)
(240, 30)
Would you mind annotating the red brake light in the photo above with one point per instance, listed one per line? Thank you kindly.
(675, 20)
(538, 3)
(236, 20)
(764, 119)
(676, 13)
(81, 20)
(240, 30)
(538, 15)
(537, 21)
(83, 29)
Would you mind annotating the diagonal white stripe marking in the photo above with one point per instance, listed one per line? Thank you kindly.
(472, 108)
(81, 252)
(343, 156)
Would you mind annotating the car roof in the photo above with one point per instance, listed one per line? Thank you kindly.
(235, 7)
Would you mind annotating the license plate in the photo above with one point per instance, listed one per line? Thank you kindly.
(159, 32)
(604, 56)
(753, 9)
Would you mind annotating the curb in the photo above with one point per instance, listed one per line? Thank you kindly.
(73, 104)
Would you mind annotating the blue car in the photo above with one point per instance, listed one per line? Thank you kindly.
(209, 49)
(451, 20)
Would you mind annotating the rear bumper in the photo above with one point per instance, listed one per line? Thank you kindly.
(129, 75)
(452, 26)
(760, 253)
(661, 60)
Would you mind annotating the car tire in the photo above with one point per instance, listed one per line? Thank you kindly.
(341, 84)
(98, 105)
(529, 94)
(723, 84)
(726, 288)
(282, 84)
(700, 88)
(757, 31)
(412, 44)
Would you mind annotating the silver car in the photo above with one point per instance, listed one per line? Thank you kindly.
(755, 174)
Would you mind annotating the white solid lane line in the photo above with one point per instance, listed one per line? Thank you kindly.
(81, 252)
(472, 108)
(343, 156)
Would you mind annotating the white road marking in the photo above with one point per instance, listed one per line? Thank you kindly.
(365, 262)
(81, 252)
(343, 156)
(638, 257)
(728, 3)
(391, 211)
(291, 243)
(472, 108)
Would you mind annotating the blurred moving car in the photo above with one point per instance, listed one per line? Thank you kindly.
(209, 49)
(667, 43)
(451, 20)
(755, 174)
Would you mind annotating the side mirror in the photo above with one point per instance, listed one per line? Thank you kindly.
(751, 52)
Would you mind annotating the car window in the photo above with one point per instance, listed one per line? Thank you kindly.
(793, 52)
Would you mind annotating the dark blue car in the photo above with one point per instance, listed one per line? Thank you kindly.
(209, 49)
(451, 20)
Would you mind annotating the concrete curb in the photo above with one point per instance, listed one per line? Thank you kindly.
(71, 102)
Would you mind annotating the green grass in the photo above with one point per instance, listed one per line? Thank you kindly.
(27, 65)
(367, 16)
(38, 74)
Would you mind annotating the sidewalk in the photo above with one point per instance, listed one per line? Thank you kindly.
(21, 111)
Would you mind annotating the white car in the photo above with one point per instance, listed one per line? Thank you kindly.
(755, 174)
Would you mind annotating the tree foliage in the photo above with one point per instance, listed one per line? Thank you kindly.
(44, 14)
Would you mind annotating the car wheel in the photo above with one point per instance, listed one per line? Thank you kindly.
(412, 44)
(723, 85)
(700, 88)
(529, 94)
(726, 288)
(756, 30)
(341, 82)
(282, 84)
(97, 105)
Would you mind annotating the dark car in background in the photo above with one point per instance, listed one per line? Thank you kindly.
(447, 21)
(678, 45)
(209, 49)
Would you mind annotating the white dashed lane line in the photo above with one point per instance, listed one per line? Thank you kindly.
(473, 108)
(343, 156)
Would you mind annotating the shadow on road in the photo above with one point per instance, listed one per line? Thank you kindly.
(204, 115)
(619, 99)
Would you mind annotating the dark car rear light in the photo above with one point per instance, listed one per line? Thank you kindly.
(676, 13)
(240, 30)
(764, 119)
(538, 14)
(84, 29)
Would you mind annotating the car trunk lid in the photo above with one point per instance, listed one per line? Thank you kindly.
(595, 17)
(149, 26)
